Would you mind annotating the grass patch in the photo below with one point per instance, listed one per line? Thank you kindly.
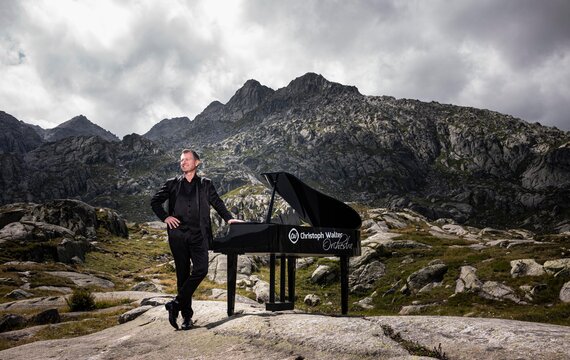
(81, 300)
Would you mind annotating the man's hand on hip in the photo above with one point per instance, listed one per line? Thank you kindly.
(172, 222)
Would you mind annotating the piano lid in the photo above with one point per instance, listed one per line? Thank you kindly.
(312, 206)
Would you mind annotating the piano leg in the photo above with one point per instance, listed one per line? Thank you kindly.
(285, 270)
(291, 268)
(282, 280)
(232, 275)
(344, 284)
(272, 278)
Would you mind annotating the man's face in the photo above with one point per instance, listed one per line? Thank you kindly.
(187, 162)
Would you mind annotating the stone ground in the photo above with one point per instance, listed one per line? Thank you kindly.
(254, 333)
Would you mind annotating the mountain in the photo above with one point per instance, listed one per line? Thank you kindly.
(468, 164)
(78, 126)
(475, 166)
(167, 127)
(117, 174)
(16, 136)
(215, 123)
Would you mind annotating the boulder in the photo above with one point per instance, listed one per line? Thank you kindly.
(526, 267)
(72, 251)
(468, 280)
(422, 277)
(74, 215)
(565, 293)
(217, 268)
(455, 229)
(33, 231)
(323, 274)
(218, 294)
(110, 220)
(367, 254)
(134, 313)
(312, 300)
(12, 213)
(367, 303)
(12, 321)
(304, 262)
(246, 265)
(429, 287)
(413, 309)
(145, 286)
(555, 266)
(261, 290)
(18, 294)
(49, 316)
(497, 291)
(364, 277)
(156, 300)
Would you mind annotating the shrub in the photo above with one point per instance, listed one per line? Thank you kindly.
(81, 300)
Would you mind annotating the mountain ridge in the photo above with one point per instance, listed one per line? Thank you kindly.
(441, 160)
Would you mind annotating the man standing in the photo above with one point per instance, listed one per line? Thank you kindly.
(189, 230)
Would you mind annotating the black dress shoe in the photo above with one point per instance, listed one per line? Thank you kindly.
(187, 323)
(173, 310)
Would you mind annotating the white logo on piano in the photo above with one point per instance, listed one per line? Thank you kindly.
(293, 235)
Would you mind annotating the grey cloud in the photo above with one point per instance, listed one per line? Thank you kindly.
(524, 31)
(404, 49)
(124, 82)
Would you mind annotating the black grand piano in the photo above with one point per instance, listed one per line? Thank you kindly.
(333, 232)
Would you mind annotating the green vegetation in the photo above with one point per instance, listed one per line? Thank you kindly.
(145, 255)
(81, 300)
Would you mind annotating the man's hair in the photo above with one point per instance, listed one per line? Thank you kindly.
(194, 153)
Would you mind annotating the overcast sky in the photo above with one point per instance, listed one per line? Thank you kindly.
(128, 64)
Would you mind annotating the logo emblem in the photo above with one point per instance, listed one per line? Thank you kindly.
(293, 235)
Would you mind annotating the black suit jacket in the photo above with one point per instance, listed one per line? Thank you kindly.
(207, 196)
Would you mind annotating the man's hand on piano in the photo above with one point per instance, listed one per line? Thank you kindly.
(233, 221)
(172, 222)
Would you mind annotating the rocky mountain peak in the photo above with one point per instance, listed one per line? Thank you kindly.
(78, 126)
(247, 98)
(79, 120)
(168, 127)
(214, 106)
(312, 84)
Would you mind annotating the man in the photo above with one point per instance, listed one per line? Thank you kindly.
(189, 230)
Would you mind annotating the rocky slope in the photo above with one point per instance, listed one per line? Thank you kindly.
(469, 285)
(441, 160)
(88, 168)
(16, 137)
(475, 166)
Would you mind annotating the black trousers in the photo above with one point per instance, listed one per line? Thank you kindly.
(188, 250)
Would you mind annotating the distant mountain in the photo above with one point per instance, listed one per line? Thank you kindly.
(16, 136)
(167, 128)
(215, 123)
(475, 166)
(78, 126)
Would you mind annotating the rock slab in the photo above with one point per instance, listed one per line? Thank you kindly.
(254, 333)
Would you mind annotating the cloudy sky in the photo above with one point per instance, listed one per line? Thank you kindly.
(127, 64)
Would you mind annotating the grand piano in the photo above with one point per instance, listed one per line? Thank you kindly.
(333, 231)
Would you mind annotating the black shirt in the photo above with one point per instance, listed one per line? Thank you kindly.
(186, 208)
